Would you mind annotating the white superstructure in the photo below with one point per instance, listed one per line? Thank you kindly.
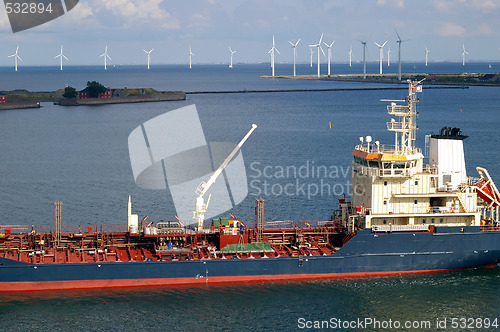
(392, 187)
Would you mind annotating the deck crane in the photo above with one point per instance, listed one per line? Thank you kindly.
(201, 206)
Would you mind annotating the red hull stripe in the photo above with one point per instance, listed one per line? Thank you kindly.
(111, 283)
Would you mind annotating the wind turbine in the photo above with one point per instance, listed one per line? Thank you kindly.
(294, 54)
(190, 55)
(149, 56)
(364, 58)
(271, 51)
(388, 56)
(61, 55)
(329, 54)
(350, 56)
(105, 55)
(16, 56)
(381, 47)
(318, 45)
(312, 53)
(231, 54)
(399, 41)
(464, 52)
(426, 53)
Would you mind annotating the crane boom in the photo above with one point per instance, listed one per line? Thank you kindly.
(201, 207)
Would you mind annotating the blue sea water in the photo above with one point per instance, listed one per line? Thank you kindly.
(80, 156)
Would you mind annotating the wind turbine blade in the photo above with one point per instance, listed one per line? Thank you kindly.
(57, 56)
(277, 51)
(65, 57)
(297, 43)
(397, 34)
(322, 51)
(108, 57)
(22, 59)
(384, 43)
(293, 45)
(145, 51)
(321, 39)
(378, 45)
(151, 50)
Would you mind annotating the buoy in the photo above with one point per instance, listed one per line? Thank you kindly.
(330, 124)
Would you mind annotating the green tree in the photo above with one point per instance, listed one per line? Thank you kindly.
(94, 89)
(70, 92)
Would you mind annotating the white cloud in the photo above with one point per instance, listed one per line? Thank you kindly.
(391, 3)
(485, 5)
(135, 10)
(448, 29)
(80, 12)
(199, 21)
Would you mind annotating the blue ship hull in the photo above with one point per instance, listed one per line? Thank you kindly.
(366, 254)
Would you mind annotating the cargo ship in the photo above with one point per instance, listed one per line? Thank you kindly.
(404, 216)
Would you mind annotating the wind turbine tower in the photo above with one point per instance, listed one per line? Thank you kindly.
(271, 51)
(61, 55)
(399, 41)
(149, 56)
(190, 55)
(350, 56)
(312, 53)
(388, 56)
(294, 46)
(464, 52)
(318, 45)
(105, 55)
(364, 58)
(329, 54)
(426, 54)
(231, 52)
(16, 56)
(381, 47)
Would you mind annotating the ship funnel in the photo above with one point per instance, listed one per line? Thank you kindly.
(446, 153)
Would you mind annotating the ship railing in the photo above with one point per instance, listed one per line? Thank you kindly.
(279, 224)
(399, 110)
(85, 229)
(397, 126)
(16, 229)
(318, 223)
(490, 228)
(430, 169)
(386, 149)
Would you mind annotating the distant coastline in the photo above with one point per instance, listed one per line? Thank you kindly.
(491, 79)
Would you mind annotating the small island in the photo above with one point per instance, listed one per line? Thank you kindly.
(94, 94)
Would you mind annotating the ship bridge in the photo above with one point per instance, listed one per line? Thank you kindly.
(385, 161)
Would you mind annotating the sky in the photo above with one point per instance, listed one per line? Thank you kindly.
(248, 26)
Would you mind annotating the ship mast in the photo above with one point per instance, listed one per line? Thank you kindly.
(407, 125)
